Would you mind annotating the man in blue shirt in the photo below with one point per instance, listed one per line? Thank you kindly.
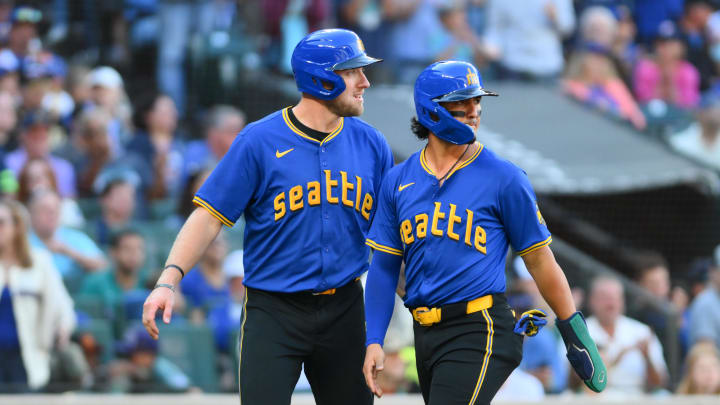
(450, 212)
(306, 179)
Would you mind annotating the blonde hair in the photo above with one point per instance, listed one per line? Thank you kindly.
(21, 244)
(698, 351)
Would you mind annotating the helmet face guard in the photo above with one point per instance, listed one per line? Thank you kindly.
(444, 82)
(317, 56)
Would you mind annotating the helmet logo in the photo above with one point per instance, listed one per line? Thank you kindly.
(472, 78)
(360, 45)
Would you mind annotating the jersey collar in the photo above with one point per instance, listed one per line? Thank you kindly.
(426, 166)
(303, 135)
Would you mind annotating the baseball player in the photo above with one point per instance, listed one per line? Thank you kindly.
(306, 178)
(450, 211)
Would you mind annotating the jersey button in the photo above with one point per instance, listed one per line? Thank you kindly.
(327, 250)
(323, 149)
(324, 164)
(326, 215)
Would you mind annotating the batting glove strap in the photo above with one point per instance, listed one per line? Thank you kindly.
(530, 322)
(582, 352)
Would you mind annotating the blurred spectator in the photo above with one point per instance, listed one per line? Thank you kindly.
(457, 40)
(287, 22)
(108, 94)
(632, 354)
(225, 319)
(520, 386)
(73, 252)
(91, 153)
(592, 79)
(667, 75)
(412, 24)
(111, 287)
(37, 174)
(365, 17)
(614, 35)
(222, 125)
(6, 8)
(117, 205)
(525, 36)
(701, 139)
(185, 204)
(650, 15)
(704, 314)
(400, 374)
(702, 371)
(178, 21)
(156, 144)
(693, 26)
(142, 369)
(8, 122)
(35, 143)
(36, 312)
(10, 75)
(23, 38)
(205, 286)
(544, 353)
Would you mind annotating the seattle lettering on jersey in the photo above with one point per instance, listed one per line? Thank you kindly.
(456, 225)
(336, 191)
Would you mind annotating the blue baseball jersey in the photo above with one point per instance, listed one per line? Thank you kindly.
(454, 238)
(307, 204)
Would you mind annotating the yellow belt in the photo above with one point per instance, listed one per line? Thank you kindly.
(429, 316)
(332, 291)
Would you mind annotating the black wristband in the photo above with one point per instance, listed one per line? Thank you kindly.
(175, 266)
(170, 286)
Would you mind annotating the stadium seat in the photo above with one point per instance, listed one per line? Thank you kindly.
(191, 348)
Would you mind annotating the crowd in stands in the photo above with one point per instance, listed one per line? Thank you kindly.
(103, 145)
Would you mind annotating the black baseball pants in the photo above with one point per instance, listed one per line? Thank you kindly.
(282, 331)
(465, 361)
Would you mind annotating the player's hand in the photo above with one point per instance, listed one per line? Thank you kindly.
(374, 364)
(530, 322)
(159, 298)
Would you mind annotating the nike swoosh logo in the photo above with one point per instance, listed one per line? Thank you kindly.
(403, 187)
(279, 154)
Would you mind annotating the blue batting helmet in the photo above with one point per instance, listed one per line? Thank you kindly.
(317, 56)
(444, 82)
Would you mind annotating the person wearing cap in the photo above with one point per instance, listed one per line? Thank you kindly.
(35, 143)
(23, 33)
(450, 212)
(107, 93)
(704, 313)
(667, 76)
(306, 179)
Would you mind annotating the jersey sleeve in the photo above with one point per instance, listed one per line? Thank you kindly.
(384, 234)
(524, 225)
(232, 184)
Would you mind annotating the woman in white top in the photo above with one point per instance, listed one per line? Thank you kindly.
(36, 312)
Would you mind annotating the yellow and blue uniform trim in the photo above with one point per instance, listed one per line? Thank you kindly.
(426, 166)
(535, 246)
(327, 139)
(383, 248)
(486, 359)
(202, 203)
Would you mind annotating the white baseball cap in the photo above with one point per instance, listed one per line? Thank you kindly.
(233, 265)
(105, 76)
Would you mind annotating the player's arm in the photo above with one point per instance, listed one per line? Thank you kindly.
(551, 281)
(200, 229)
(581, 349)
(379, 303)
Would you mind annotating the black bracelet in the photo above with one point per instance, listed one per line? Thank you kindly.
(170, 286)
(175, 266)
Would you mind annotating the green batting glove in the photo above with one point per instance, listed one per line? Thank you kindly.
(582, 352)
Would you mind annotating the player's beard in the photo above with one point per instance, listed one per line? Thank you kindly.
(345, 108)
